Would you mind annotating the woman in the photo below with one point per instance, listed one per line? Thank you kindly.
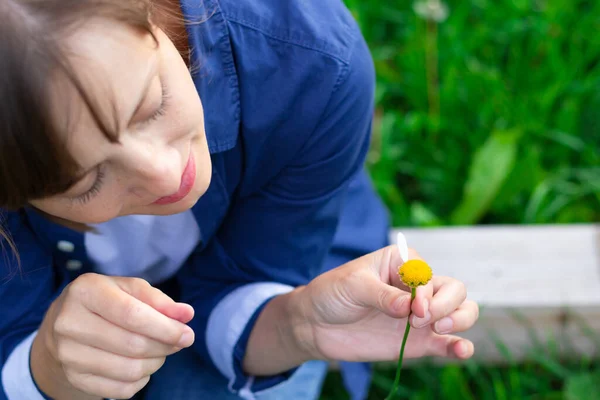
(230, 189)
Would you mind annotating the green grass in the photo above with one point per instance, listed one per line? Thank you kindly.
(550, 372)
(489, 117)
(529, 381)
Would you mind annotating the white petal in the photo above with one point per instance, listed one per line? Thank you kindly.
(402, 246)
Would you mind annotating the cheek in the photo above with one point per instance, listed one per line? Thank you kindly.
(188, 115)
(105, 207)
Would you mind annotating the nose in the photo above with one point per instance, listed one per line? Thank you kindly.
(156, 170)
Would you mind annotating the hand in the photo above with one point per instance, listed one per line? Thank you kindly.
(107, 335)
(357, 312)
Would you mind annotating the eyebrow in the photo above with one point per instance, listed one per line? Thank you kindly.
(152, 71)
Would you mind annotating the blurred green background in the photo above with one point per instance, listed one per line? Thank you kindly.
(487, 113)
(489, 116)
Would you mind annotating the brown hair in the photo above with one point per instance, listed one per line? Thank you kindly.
(34, 162)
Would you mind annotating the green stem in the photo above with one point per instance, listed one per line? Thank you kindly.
(399, 368)
(431, 63)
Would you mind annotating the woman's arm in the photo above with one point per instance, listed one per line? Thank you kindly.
(89, 338)
(307, 105)
(281, 338)
(49, 376)
(28, 285)
(353, 313)
(105, 336)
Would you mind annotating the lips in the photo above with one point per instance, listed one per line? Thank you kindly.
(187, 183)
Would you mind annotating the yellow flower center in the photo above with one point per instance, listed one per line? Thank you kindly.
(415, 273)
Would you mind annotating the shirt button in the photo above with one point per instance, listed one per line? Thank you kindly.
(74, 265)
(65, 246)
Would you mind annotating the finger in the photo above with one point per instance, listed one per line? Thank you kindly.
(155, 298)
(385, 263)
(414, 254)
(181, 312)
(84, 359)
(372, 292)
(92, 330)
(450, 346)
(117, 306)
(450, 295)
(420, 305)
(106, 388)
(460, 320)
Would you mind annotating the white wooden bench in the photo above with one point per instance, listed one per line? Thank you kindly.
(542, 279)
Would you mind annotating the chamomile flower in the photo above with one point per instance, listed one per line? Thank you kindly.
(415, 273)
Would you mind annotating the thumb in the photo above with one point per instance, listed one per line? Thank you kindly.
(390, 300)
(155, 298)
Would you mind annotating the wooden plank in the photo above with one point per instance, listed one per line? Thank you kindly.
(509, 266)
(529, 281)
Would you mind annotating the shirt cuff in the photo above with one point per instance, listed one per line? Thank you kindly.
(228, 331)
(17, 380)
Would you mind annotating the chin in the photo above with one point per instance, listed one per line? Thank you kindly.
(170, 209)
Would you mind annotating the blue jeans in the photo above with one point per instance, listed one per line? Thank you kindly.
(184, 376)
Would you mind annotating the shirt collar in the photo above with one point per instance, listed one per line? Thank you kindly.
(214, 72)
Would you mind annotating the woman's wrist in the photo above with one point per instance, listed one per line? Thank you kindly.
(282, 337)
(302, 332)
(43, 368)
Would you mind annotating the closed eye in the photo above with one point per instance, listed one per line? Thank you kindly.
(161, 110)
(94, 190)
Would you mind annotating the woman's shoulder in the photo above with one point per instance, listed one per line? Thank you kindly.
(19, 245)
(325, 26)
(11, 222)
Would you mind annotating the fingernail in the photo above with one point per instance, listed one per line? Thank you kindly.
(187, 338)
(421, 322)
(444, 325)
(462, 349)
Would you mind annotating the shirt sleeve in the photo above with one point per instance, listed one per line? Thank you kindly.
(277, 237)
(26, 290)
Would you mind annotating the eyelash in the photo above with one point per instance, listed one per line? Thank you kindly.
(163, 105)
(94, 190)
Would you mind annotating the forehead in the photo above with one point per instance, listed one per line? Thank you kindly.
(110, 47)
(111, 61)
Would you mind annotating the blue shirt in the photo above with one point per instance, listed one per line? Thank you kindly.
(287, 89)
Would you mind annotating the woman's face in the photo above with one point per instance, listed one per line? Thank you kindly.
(161, 164)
